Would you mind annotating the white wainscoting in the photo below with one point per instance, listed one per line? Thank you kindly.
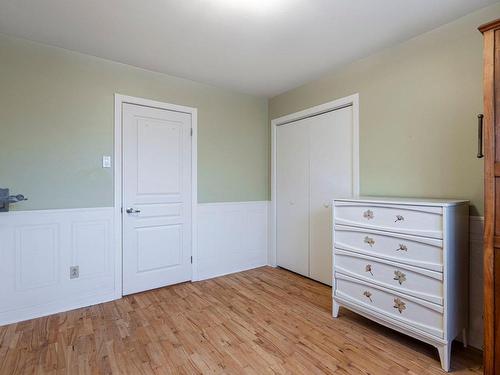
(476, 282)
(232, 237)
(37, 249)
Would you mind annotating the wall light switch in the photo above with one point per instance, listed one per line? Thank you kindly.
(106, 161)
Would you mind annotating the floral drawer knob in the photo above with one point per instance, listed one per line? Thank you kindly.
(399, 277)
(399, 218)
(402, 247)
(370, 241)
(368, 295)
(368, 268)
(368, 214)
(399, 305)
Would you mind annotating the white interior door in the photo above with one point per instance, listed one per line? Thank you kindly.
(331, 176)
(292, 198)
(156, 198)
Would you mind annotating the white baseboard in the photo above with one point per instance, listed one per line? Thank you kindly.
(232, 237)
(54, 307)
(36, 252)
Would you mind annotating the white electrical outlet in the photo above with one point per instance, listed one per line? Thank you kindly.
(74, 272)
(106, 161)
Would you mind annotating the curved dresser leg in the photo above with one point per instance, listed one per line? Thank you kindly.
(445, 356)
(335, 309)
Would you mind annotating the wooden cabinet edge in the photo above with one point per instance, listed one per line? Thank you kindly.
(489, 26)
(490, 167)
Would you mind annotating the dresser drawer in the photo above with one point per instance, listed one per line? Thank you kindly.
(415, 281)
(411, 250)
(417, 220)
(426, 316)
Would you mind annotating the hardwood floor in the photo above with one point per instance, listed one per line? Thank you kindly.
(262, 321)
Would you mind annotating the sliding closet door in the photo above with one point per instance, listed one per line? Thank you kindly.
(292, 197)
(330, 161)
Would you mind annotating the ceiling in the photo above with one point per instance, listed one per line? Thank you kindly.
(260, 47)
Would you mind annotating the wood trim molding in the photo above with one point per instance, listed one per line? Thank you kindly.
(489, 198)
(490, 26)
(496, 243)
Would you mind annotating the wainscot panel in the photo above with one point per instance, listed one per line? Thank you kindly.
(232, 237)
(37, 252)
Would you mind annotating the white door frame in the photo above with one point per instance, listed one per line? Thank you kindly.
(351, 100)
(118, 182)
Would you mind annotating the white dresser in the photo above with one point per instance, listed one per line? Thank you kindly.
(404, 263)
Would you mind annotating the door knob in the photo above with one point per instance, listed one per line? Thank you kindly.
(6, 199)
(132, 210)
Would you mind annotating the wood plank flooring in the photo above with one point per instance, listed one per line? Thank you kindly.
(263, 321)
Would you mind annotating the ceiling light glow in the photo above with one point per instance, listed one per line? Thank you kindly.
(249, 6)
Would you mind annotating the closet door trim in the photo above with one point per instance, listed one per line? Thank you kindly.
(351, 100)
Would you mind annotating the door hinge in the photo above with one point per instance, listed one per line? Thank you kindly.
(121, 209)
(191, 132)
(191, 259)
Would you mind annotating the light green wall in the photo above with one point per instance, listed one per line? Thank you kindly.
(56, 122)
(418, 106)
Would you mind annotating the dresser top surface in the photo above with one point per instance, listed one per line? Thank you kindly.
(406, 201)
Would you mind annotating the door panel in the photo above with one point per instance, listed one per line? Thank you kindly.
(331, 166)
(150, 255)
(292, 202)
(157, 190)
(159, 143)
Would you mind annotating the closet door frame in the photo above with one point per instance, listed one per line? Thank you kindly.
(351, 100)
